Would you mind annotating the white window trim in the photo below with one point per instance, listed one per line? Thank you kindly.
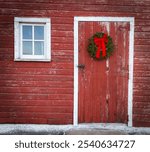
(47, 48)
(131, 60)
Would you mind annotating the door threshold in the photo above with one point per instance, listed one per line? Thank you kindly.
(115, 126)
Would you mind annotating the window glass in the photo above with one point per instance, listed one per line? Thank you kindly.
(27, 48)
(39, 48)
(27, 32)
(39, 32)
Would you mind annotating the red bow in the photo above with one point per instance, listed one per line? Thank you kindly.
(100, 43)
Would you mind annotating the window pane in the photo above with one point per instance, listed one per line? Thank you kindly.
(39, 48)
(39, 32)
(27, 32)
(27, 48)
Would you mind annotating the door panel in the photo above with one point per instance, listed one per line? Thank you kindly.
(103, 85)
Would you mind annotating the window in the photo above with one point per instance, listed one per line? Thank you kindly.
(32, 39)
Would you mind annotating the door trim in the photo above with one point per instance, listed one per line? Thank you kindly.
(131, 60)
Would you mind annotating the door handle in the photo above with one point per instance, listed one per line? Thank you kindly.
(81, 66)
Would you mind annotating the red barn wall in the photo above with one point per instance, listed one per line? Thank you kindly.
(38, 92)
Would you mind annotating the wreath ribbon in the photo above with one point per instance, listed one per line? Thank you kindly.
(100, 43)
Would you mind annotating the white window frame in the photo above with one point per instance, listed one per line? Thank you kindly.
(18, 23)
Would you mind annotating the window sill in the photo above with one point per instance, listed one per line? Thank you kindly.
(37, 60)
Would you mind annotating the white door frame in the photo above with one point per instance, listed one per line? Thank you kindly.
(131, 60)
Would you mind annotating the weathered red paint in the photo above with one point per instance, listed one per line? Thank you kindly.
(103, 86)
(43, 92)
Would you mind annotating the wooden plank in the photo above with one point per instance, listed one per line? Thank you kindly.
(69, 40)
(23, 77)
(113, 2)
(59, 20)
(142, 28)
(142, 35)
(141, 98)
(142, 54)
(62, 27)
(141, 111)
(144, 80)
(97, 112)
(35, 115)
(77, 7)
(141, 104)
(143, 67)
(142, 61)
(53, 65)
(36, 71)
(112, 71)
(58, 121)
(101, 82)
(23, 102)
(144, 48)
(6, 120)
(26, 1)
(142, 41)
(62, 46)
(29, 121)
(40, 84)
(88, 75)
(30, 96)
(125, 69)
(54, 109)
(142, 86)
(141, 123)
(63, 53)
(57, 33)
(142, 74)
(40, 90)
(81, 74)
(141, 118)
(122, 67)
(141, 22)
(69, 14)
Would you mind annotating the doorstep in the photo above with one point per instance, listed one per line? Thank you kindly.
(81, 129)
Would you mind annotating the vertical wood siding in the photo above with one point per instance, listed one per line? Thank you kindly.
(103, 85)
(43, 92)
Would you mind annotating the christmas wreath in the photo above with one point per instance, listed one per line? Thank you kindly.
(100, 46)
